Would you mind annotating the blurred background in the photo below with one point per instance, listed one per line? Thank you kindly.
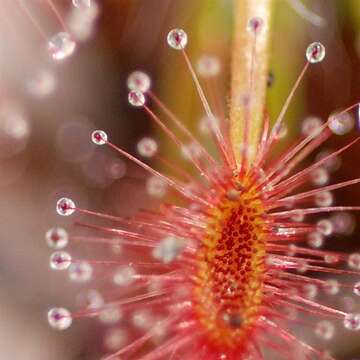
(48, 109)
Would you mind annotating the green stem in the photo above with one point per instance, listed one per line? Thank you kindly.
(246, 71)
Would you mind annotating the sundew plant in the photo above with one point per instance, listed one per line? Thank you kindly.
(230, 259)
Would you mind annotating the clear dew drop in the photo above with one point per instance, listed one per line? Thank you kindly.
(341, 124)
(60, 260)
(99, 137)
(80, 272)
(354, 261)
(208, 66)
(147, 147)
(156, 187)
(325, 330)
(61, 46)
(177, 39)
(59, 318)
(352, 322)
(57, 238)
(124, 276)
(81, 4)
(139, 81)
(65, 207)
(357, 288)
(315, 52)
(136, 98)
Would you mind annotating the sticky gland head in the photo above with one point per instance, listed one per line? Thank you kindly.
(228, 291)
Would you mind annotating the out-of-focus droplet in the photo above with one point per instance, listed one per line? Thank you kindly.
(90, 299)
(156, 187)
(331, 164)
(139, 81)
(60, 260)
(147, 147)
(116, 169)
(325, 330)
(208, 66)
(208, 125)
(42, 83)
(80, 4)
(115, 338)
(110, 315)
(343, 222)
(315, 240)
(80, 271)
(14, 129)
(315, 52)
(310, 291)
(354, 261)
(191, 151)
(72, 140)
(81, 20)
(357, 288)
(255, 25)
(177, 39)
(124, 276)
(331, 258)
(311, 126)
(59, 318)
(324, 198)
(142, 319)
(319, 176)
(331, 287)
(324, 227)
(61, 46)
(352, 322)
(65, 207)
(102, 169)
(169, 249)
(99, 137)
(57, 238)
